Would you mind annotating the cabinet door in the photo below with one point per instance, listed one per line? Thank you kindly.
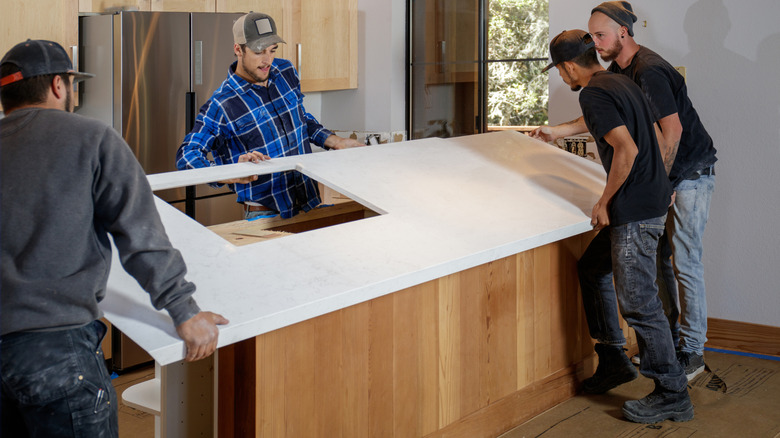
(54, 20)
(184, 5)
(321, 38)
(114, 5)
(326, 48)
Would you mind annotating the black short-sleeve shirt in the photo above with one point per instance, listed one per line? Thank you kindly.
(610, 101)
(667, 94)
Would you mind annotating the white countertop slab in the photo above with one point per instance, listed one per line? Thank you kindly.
(445, 206)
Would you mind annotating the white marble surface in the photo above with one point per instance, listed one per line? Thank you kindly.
(446, 206)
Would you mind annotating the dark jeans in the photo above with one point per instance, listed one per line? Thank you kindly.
(56, 384)
(629, 252)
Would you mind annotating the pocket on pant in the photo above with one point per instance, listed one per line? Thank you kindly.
(91, 411)
(36, 382)
(650, 233)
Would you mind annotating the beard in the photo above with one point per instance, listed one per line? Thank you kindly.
(69, 100)
(250, 71)
(576, 88)
(610, 54)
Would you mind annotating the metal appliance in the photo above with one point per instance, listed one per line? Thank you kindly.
(154, 70)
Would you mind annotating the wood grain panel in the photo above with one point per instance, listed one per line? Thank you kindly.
(743, 336)
(469, 354)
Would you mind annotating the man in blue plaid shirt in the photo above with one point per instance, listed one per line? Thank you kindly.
(257, 114)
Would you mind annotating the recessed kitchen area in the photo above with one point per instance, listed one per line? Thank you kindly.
(434, 292)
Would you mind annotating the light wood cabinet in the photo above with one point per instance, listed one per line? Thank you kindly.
(147, 5)
(55, 20)
(321, 37)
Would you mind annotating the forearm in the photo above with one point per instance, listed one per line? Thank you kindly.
(573, 127)
(670, 134)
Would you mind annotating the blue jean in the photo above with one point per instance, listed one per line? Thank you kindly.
(685, 224)
(618, 272)
(667, 285)
(56, 384)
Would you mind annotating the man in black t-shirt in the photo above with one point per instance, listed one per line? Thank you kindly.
(630, 217)
(689, 156)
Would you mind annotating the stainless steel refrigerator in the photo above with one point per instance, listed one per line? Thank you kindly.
(154, 70)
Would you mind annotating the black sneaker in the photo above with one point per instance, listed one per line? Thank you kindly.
(614, 369)
(692, 363)
(658, 406)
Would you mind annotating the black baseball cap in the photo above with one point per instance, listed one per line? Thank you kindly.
(256, 30)
(37, 58)
(567, 45)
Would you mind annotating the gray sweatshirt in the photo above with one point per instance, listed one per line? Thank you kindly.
(67, 183)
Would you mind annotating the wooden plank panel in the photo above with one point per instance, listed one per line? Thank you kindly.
(226, 401)
(558, 320)
(526, 339)
(541, 319)
(502, 329)
(271, 387)
(743, 336)
(406, 387)
(328, 374)
(473, 334)
(380, 367)
(355, 347)
(449, 350)
(428, 324)
(299, 402)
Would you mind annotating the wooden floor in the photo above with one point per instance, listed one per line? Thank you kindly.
(132, 422)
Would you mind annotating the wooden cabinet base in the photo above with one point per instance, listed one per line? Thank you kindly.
(471, 354)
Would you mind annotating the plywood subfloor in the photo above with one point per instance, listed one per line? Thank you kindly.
(736, 396)
(132, 422)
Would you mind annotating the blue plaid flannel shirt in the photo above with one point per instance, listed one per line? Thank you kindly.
(237, 120)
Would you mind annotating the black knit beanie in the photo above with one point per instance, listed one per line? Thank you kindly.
(620, 11)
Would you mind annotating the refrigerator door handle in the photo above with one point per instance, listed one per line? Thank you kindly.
(189, 122)
(189, 111)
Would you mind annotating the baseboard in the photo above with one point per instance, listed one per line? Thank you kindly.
(743, 336)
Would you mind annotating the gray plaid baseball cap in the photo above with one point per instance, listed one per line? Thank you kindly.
(256, 30)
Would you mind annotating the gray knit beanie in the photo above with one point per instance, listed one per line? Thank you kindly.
(620, 11)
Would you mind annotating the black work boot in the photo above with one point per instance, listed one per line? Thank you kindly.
(614, 369)
(660, 405)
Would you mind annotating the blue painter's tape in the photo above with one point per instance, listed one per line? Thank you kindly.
(742, 353)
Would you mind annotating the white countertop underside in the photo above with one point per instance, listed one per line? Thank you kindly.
(445, 205)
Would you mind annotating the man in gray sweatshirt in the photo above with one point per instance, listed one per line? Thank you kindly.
(67, 183)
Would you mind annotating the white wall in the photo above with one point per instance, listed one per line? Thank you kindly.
(378, 104)
(731, 49)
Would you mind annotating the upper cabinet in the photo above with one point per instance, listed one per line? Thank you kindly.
(320, 36)
(54, 20)
(147, 5)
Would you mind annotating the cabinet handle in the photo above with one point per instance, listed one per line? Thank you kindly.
(74, 56)
(298, 47)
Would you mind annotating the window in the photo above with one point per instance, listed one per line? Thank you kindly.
(475, 66)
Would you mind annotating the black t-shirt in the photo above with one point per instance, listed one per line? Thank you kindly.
(610, 101)
(667, 94)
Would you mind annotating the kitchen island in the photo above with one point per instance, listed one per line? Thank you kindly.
(454, 311)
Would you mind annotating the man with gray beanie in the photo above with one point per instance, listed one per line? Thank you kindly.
(257, 114)
(689, 157)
